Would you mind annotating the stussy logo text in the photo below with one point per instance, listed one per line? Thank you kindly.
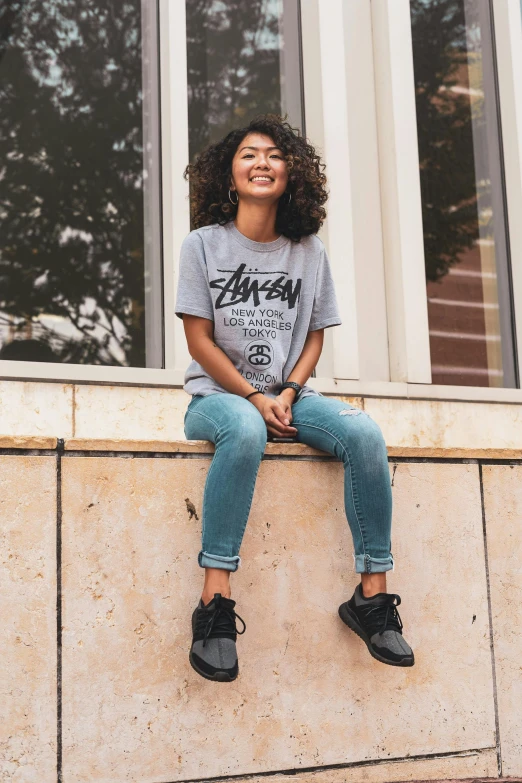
(239, 289)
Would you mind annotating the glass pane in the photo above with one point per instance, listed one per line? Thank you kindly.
(243, 60)
(465, 233)
(80, 262)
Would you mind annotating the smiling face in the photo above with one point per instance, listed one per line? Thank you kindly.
(259, 169)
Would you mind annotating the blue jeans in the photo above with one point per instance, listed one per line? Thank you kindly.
(239, 433)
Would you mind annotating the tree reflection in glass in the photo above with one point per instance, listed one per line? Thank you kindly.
(72, 182)
(243, 60)
(465, 242)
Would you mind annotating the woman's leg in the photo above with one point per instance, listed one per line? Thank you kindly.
(353, 437)
(239, 433)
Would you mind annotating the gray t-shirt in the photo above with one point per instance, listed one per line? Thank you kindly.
(263, 297)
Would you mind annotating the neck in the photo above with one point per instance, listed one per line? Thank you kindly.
(257, 220)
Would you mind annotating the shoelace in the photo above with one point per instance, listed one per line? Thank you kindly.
(221, 621)
(382, 617)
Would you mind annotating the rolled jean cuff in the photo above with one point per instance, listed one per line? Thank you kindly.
(364, 564)
(206, 560)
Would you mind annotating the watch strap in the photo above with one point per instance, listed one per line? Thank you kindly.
(292, 385)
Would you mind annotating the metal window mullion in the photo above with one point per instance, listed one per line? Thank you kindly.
(175, 156)
(153, 271)
(290, 63)
(406, 298)
(495, 157)
(508, 45)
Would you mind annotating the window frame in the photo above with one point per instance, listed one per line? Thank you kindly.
(507, 21)
(383, 302)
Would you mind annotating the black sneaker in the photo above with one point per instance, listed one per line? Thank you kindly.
(213, 652)
(378, 623)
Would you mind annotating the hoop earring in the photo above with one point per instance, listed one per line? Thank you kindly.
(233, 202)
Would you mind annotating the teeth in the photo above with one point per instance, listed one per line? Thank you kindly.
(261, 179)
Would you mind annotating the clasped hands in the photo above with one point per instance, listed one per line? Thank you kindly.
(276, 412)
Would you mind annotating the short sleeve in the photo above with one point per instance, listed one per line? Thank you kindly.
(324, 312)
(193, 295)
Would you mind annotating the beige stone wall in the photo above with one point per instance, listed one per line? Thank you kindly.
(29, 408)
(28, 683)
(309, 697)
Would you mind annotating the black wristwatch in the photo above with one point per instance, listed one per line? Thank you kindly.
(291, 385)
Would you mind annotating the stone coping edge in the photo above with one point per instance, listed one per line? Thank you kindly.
(282, 449)
(38, 442)
(27, 442)
(180, 446)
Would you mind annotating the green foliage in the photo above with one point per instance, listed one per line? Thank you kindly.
(445, 132)
(71, 152)
(71, 199)
(233, 52)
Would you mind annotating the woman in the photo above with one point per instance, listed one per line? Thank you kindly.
(255, 295)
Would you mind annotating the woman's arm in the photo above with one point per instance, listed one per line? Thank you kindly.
(307, 362)
(303, 368)
(200, 340)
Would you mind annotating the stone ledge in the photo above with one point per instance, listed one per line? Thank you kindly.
(283, 449)
(272, 449)
(430, 452)
(180, 446)
(27, 442)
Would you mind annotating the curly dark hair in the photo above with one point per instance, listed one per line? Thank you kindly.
(209, 178)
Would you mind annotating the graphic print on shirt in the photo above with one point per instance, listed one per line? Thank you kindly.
(240, 289)
(263, 326)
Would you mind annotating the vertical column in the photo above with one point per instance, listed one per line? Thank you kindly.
(314, 129)
(323, 44)
(175, 156)
(366, 196)
(508, 40)
(400, 193)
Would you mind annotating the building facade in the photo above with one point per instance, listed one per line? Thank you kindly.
(415, 107)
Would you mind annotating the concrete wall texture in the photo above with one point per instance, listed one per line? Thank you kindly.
(99, 580)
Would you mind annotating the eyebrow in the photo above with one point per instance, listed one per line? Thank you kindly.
(256, 148)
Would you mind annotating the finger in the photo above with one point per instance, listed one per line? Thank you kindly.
(281, 413)
(277, 434)
(273, 422)
(277, 425)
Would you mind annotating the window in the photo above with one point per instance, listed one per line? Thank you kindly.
(243, 60)
(80, 260)
(464, 216)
